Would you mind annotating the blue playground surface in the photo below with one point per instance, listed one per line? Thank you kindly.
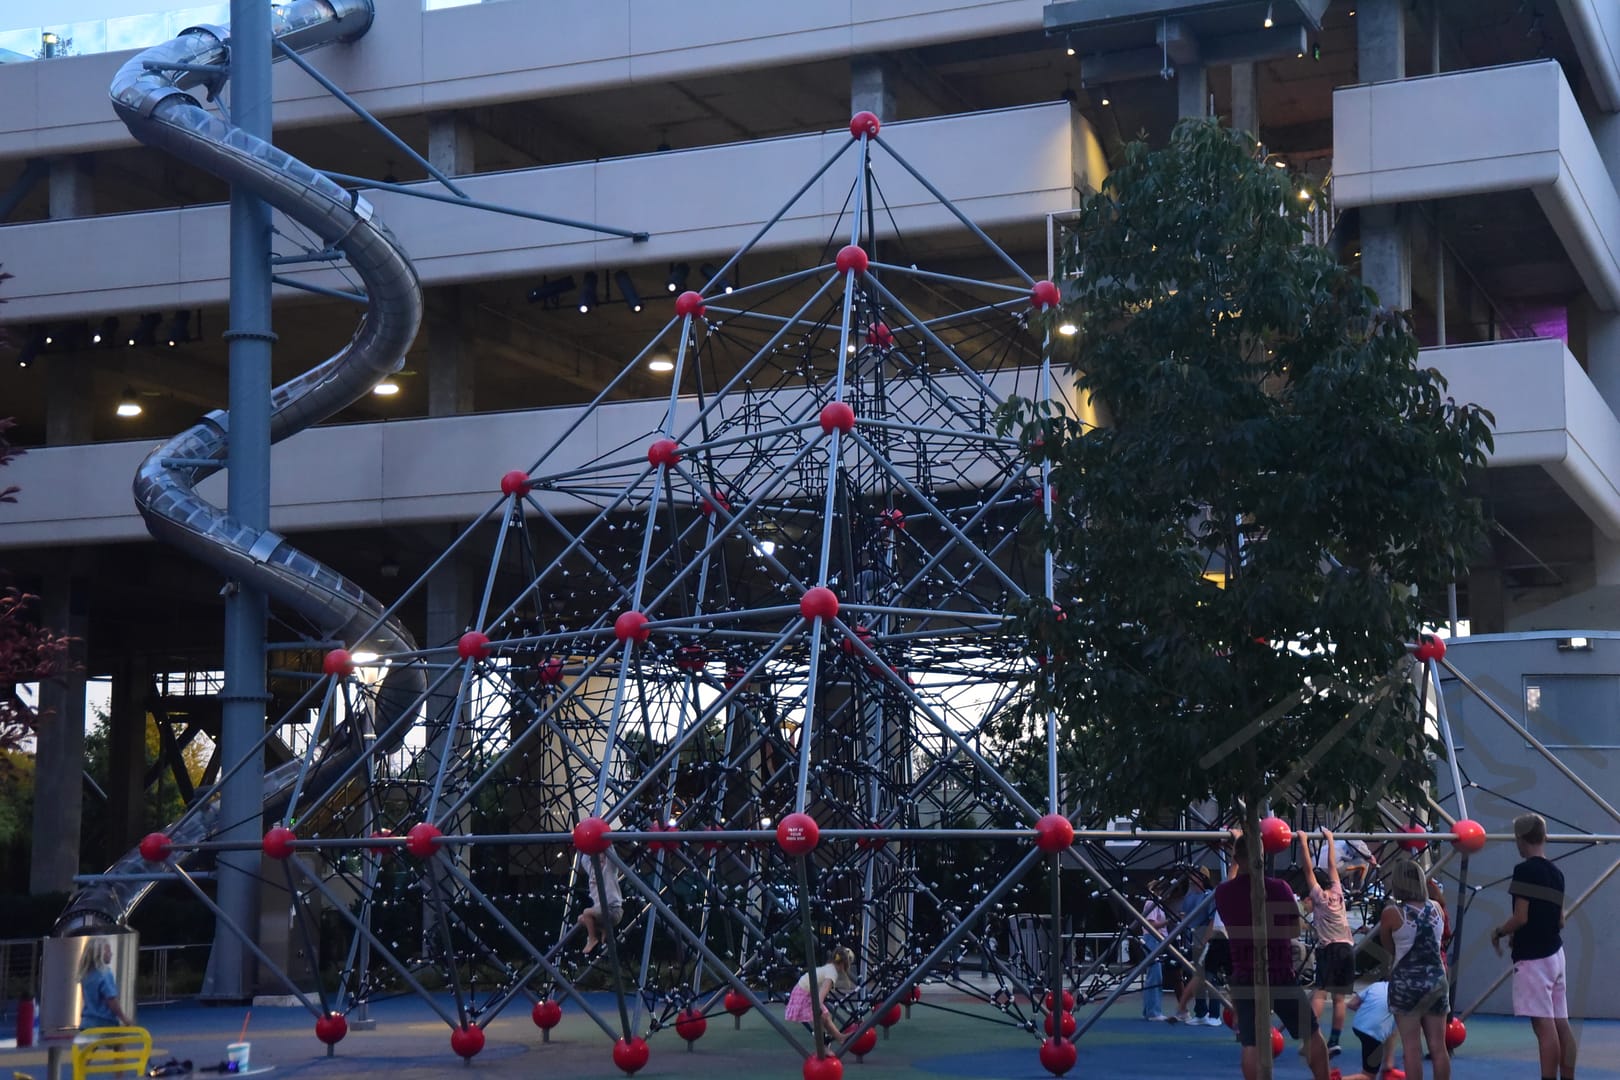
(946, 1036)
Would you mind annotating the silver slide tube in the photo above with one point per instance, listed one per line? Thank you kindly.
(150, 95)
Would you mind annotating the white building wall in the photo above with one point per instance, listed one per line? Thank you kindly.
(419, 61)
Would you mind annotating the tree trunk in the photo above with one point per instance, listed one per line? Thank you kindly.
(1260, 929)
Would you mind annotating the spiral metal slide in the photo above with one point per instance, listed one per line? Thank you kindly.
(150, 96)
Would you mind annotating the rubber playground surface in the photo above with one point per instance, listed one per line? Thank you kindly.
(938, 1040)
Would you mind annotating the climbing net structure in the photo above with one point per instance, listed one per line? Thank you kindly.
(739, 657)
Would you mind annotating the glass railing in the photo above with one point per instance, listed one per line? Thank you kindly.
(105, 35)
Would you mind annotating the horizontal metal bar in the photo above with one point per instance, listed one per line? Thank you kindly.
(494, 208)
(340, 294)
(206, 69)
(328, 255)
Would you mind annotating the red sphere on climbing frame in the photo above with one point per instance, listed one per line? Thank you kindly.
(1058, 1056)
(689, 303)
(1429, 648)
(798, 834)
(422, 839)
(1456, 1032)
(871, 843)
(1053, 833)
(864, 123)
(1228, 1017)
(381, 834)
(665, 452)
(630, 1054)
(1335, 1074)
(1276, 1043)
(890, 1016)
(863, 1045)
(338, 663)
(690, 1025)
(1469, 836)
(473, 645)
(551, 672)
(1045, 294)
(591, 836)
(278, 842)
(819, 603)
(823, 1068)
(1275, 835)
(516, 482)
(880, 335)
(1064, 1027)
(837, 415)
(156, 846)
(713, 501)
(467, 1041)
(1415, 846)
(546, 1014)
(893, 518)
(736, 1004)
(1068, 1001)
(852, 257)
(632, 624)
(331, 1028)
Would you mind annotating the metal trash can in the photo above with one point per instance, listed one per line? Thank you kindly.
(64, 965)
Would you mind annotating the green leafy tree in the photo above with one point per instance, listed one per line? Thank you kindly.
(1246, 545)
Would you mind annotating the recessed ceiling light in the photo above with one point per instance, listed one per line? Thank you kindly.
(1068, 329)
(661, 364)
(386, 388)
(128, 405)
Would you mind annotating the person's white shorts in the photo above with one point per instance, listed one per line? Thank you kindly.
(1538, 987)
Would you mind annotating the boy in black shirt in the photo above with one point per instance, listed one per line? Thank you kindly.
(1538, 948)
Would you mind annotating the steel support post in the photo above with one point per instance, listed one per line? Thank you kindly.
(248, 465)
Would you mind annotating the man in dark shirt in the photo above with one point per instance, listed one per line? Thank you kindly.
(1538, 948)
(1288, 998)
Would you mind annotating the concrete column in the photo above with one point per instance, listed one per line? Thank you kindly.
(1487, 605)
(1246, 99)
(69, 419)
(1386, 255)
(450, 361)
(450, 144)
(1381, 40)
(70, 187)
(59, 758)
(69, 416)
(1594, 337)
(126, 780)
(1192, 92)
(871, 87)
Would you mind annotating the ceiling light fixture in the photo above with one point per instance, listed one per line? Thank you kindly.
(587, 292)
(661, 364)
(179, 329)
(1068, 329)
(675, 281)
(551, 290)
(144, 335)
(128, 405)
(1068, 44)
(1267, 23)
(1105, 100)
(108, 334)
(710, 272)
(627, 289)
(386, 388)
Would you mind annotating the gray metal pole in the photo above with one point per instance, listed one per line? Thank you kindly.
(248, 464)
